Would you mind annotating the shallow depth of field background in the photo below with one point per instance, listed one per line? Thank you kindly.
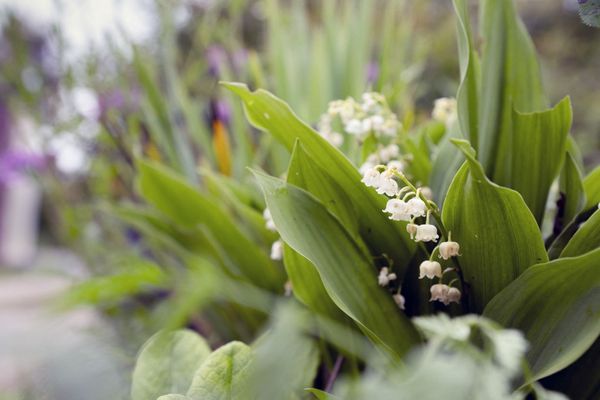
(70, 98)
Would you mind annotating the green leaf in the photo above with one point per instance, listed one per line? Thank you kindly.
(510, 79)
(467, 97)
(173, 397)
(346, 271)
(447, 162)
(538, 146)
(587, 238)
(286, 358)
(224, 375)
(270, 114)
(591, 186)
(590, 12)
(166, 364)
(498, 235)
(556, 305)
(321, 395)
(190, 208)
(572, 189)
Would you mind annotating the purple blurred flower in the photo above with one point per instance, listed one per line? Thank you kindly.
(4, 125)
(372, 72)
(215, 57)
(13, 163)
(220, 111)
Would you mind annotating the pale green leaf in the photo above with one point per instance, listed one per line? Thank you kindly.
(224, 375)
(166, 364)
(306, 226)
(557, 305)
(572, 189)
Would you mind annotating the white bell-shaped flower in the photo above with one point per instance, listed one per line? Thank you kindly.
(400, 300)
(453, 296)
(397, 165)
(385, 277)
(387, 183)
(354, 127)
(269, 220)
(371, 177)
(439, 292)
(426, 233)
(277, 250)
(449, 249)
(398, 209)
(417, 207)
(430, 269)
(412, 230)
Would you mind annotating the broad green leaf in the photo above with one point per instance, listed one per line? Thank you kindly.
(224, 375)
(561, 241)
(591, 186)
(286, 357)
(557, 305)
(187, 206)
(498, 235)
(307, 284)
(173, 397)
(467, 98)
(571, 187)
(538, 146)
(270, 114)
(587, 238)
(510, 79)
(321, 395)
(580, 380)
(305, 173)
(166, 364)
(305, 225)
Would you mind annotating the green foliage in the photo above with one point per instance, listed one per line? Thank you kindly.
(556, 305)
(223, 375)
(166, 364)
(306, 226)
(496, 226)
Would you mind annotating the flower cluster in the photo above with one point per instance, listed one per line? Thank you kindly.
(370, 116)
(408, 204)
(444, 110)
(385, 155)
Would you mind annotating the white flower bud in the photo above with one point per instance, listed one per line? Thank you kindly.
(385, 277)
(426, 233)
(387, 184)
(453, 295)
(412, 230)
(372, 177)
(354, 127)
(398, 209)
(427, 193)
(277, 250)
(449, 249)
(400, 300)
(439, 292)
(288, 288)
(269, 220)
(444, 110)
(417, 207)
(397, 165)
(430, 269)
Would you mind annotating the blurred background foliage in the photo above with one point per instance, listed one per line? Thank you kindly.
(78, 122)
